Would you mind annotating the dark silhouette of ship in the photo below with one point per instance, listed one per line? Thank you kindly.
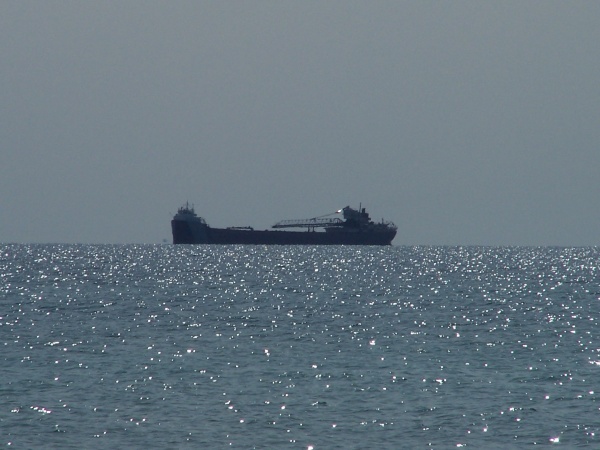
(356, 228)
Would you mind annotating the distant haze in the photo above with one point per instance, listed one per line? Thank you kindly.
(464, 122)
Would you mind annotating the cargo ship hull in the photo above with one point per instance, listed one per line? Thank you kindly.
(187, 228)
(184, 233)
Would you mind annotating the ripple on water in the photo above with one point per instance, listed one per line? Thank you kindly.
(271, 347)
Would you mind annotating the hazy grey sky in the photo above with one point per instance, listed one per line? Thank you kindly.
(464, 122)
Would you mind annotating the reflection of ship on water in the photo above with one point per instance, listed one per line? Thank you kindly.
(356, 228)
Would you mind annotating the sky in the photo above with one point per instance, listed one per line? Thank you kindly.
(463, 122)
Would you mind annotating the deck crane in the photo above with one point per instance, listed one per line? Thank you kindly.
(324, 221)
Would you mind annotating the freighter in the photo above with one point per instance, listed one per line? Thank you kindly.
(356, 228)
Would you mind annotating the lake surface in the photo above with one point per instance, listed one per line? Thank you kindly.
(263, 347)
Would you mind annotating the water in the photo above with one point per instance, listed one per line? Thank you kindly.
(298, 347)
